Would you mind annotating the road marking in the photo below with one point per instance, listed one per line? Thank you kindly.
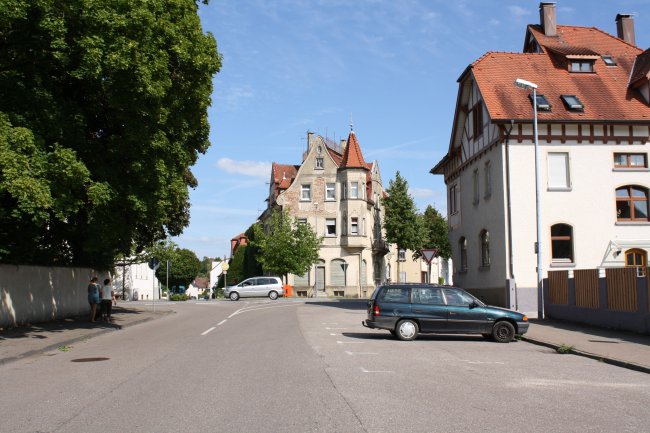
(331, 333)
(222, 322)
(363, 370)
(329, 329)
(482, 362)
(350, 342)
(209, 330)
(360, 353)
(530, 383)
(329, 323)
(244, 310)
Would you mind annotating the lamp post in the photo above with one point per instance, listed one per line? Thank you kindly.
(538, 245)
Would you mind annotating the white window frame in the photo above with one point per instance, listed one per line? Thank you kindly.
(559, 171)
(305, 192)
(354, 190)
(354, 226)
(330, 191)
(330, 223)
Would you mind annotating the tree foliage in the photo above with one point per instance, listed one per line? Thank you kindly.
(435, 233)
(401, 216)
(184, 266)
(103, 112)
(252, 266)
(286, 246)
(236, 271)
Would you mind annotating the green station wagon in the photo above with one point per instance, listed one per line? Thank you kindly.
(408, 309)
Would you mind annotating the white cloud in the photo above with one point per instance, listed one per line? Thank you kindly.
(421, 192)
(518, 11)
(256, 169)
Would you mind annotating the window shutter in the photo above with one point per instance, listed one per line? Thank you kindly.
(558, 170)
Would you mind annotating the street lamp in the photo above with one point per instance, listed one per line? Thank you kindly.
(538, 245)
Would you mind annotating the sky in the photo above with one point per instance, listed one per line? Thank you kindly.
(388, 67)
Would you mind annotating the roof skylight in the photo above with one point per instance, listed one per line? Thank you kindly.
(609, 61)
(572, 102)
(542, 102)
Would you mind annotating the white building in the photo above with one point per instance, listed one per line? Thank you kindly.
(136, 282)
(593, 103)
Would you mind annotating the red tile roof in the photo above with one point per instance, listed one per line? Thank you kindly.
(352, 156)
(605, 94)
(641, 69)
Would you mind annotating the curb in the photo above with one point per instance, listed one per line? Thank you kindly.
(70, 341)
(605, 359)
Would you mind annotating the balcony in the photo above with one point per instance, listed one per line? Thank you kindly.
(380, 247)
(354, 241)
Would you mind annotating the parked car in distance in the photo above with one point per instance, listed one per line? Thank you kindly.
(255, 287)
(409, 309)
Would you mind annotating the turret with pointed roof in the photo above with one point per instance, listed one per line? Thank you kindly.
(352, 157)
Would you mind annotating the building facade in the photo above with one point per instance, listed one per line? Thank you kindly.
(593, 113)
(339, 195)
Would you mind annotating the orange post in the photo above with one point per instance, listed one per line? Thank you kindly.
(288, 290)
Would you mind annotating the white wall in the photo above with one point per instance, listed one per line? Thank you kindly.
(32, 294)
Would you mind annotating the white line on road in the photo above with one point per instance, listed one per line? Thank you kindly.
(209, 330)
(244, 310)
(329, 329)
(222, 322)
(360, 353)
(482, 362)
(363, 370)
(350, 342)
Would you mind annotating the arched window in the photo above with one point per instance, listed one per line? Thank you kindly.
(338, 273)
(462, 248)
(561, 243)
(638, 259)
(632, 203)
(485, 249)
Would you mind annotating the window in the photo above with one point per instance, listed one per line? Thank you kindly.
(581, 66)
(572, 102)
(395, 294)
(558, 170)
(354, 226)
(488, 179)
(338, 272)
(330, 227)
(630, 160)
(477, 120)
(475, 184)
(330, 191)
(453, 199)
(542, 102)
(305, 192)
(485, 249)
(401, 255)
(632, 203)
(561, 243)
(345, 190)
(609, 61)
(638, 259)
(427, 295)
(354, 190)
(301, 220)
(462, 246)
(456, 297)
(319, 162)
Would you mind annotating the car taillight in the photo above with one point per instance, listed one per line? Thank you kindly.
(375, 310)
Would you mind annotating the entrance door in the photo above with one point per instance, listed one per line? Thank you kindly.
(320, 278)
(638, 259)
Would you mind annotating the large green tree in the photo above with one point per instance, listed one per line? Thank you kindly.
(286, 246)
(401, 216)
(435, 232)
(103, 111)
(184, 266)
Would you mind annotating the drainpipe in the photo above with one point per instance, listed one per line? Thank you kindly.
(511, 269)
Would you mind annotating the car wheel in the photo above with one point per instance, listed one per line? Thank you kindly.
(503, 332)
(273, 295)
(406, 330)
(234, 296)
(392, 332)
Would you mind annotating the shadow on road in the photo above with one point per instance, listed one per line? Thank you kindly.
(385, 335)
(346, 304)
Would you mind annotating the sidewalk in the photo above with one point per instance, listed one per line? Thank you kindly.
(25, 341)
(620, 348)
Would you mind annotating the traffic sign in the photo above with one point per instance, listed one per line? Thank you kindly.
(428, 254)
(154, 263)
(225, 266)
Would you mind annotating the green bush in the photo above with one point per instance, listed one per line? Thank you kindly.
(178, 297)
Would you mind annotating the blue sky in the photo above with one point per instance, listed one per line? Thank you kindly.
(391, 66)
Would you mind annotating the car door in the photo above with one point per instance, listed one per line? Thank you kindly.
(394, 304)
(465, 316)
(247, 288)
(428, 306)
(263, 286)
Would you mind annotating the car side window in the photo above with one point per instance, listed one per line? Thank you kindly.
(455, 297)
(263, 281)
(248, 283)
(395, 294)
(428, 295)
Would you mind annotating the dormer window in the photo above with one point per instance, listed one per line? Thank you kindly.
(572, 103)
(609, 61)
(542, 102)
(581, 65)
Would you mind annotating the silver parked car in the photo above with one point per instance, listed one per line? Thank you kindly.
(256, 286)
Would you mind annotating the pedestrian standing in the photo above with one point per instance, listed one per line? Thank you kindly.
(93, 297)
(107, 300)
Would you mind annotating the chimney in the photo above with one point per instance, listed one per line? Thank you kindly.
(547, 18)
(625, 28)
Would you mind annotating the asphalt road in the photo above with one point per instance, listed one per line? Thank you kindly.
(292, 366)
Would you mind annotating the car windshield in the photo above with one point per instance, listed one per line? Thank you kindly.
(460, 297)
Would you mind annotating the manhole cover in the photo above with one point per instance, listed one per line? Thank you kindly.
(89, 359)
